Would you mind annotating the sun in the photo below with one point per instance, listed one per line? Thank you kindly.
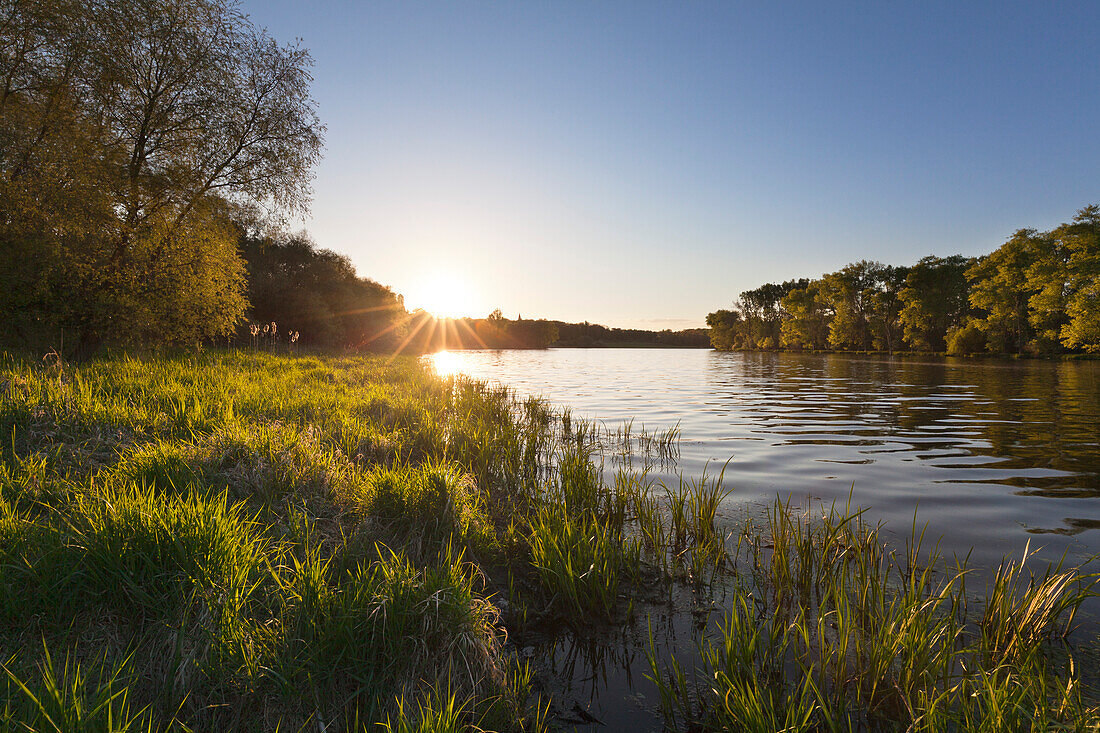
(442, 295)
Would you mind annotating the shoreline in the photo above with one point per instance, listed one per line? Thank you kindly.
(299, 492)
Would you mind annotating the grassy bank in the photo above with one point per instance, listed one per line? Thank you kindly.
(252, 542)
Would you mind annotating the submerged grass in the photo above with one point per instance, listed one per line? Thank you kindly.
(255, 542)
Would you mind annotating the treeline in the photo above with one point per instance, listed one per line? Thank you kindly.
(424, 333)
(590, 335)
(1039, 293)
(317, 294)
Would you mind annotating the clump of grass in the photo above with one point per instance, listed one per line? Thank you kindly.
(432, 504)
(581, 562)
(830, 630)
(151, 555)
(70, 698)
(353, 636)
(437, 713)
(272, 462)
(162, 464)
(1023, 609)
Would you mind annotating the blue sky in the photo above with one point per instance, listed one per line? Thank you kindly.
(639, 164)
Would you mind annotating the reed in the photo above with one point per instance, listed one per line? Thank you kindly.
(830, 629)
(581, 562)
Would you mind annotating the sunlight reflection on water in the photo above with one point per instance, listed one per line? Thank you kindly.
(449, 363)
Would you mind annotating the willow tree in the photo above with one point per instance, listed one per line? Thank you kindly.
(131, 133)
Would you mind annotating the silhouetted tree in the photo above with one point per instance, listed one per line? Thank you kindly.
(317, 293)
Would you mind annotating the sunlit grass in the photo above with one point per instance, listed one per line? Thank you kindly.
(831, 630)
(247, 540)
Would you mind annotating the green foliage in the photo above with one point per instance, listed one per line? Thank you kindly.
(967, 339)
(726, 329)
(209, 516)
(934, 299)
(808, 319)
(70, 700)
(356, 635)
(433, 501)
(581, 562)
(1080, 241)
(150, 556)
(1039, 292)
(848, 293)
(1000, 290)
(250, 541)
(134, 132)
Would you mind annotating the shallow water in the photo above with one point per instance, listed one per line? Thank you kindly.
(989, 454)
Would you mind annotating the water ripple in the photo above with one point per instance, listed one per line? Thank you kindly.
(989, 453)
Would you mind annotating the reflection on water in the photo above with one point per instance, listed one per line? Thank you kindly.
(989, 453)
(604, 683)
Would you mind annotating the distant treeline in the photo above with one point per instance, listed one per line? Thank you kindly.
(593, 335)
(424, 333)
(1039, 293)
(317, 294)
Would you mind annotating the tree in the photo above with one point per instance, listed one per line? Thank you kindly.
(762, 312)
(968, 338)
(848, 292)
(1066, 275)
(934, 300)
(725, 329)
(884, 309)
(807, 318)
(1000, 291)
(318, 294)
(133, 131)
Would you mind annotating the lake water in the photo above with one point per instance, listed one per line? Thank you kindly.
(988, 453)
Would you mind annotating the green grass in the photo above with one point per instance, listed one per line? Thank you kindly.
(831, 630)
(245, 541)
(265, 542)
